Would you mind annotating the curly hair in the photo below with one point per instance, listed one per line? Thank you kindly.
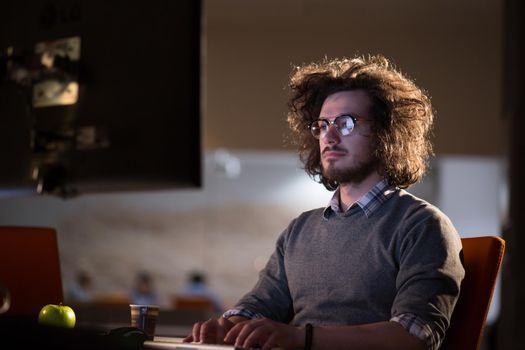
(401, 111)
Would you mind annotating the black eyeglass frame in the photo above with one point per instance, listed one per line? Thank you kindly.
(334, 123)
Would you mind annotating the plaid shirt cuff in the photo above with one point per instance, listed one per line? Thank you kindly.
(242, 312)
(418, 328)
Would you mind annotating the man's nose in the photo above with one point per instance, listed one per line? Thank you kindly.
(331, 135)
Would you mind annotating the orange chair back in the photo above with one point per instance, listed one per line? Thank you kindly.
(30, 268)
(187, 302)
(482, 257)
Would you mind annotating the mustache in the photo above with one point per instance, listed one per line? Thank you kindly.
(335, 148)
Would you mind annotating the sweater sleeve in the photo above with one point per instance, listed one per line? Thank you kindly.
(430, 273)
(270, 297)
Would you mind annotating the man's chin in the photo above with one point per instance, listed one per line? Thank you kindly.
(331, 167)
(346, 176)
(332, 174)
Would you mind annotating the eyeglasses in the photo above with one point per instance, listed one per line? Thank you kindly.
(344, 124)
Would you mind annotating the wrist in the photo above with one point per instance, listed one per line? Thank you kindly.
(236, 319)
(308, 336)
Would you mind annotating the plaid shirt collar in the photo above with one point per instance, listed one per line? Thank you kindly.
(369, 202)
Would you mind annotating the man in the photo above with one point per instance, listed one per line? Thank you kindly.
(80, 290)
(197, 286)
(377, 268)
(143, 291)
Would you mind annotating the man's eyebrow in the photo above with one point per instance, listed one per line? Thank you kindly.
(339, 115)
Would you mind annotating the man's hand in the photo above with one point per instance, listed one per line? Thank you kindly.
(210, 332)
(266, 334)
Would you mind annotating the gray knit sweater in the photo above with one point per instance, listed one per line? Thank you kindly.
(332, 268)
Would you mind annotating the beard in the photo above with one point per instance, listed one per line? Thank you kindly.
(351, 174)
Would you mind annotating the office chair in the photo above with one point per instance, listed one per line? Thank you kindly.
(482, 257)
(30, 268)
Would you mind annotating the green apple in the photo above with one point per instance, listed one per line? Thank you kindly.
(57, 315)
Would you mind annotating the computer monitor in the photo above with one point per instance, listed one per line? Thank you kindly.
(100, 96)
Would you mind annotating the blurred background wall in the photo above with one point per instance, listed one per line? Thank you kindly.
(253, 184)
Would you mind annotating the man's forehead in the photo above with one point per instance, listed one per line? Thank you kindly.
(343, 102)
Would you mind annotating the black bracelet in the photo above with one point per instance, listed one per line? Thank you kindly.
(308, 336)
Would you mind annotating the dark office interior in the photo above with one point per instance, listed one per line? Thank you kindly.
(168, 133)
